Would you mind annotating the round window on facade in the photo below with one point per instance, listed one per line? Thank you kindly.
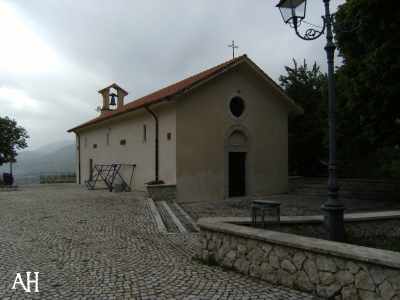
(237, 107)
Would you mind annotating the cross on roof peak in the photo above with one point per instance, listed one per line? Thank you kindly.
(233, 48)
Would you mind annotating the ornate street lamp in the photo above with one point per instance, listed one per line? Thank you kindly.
(293, 12)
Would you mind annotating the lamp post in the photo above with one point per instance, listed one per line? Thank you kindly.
(293, 12)
(11, 144)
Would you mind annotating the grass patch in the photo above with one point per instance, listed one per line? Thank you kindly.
(209, 261)
(384, 243)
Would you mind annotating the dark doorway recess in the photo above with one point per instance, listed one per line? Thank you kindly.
(237, 174)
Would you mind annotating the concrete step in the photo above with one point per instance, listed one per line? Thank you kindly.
(171, 218)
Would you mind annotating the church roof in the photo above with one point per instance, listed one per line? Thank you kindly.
(171, 91)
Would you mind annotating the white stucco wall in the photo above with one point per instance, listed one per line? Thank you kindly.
(202, 125)
(136, 150)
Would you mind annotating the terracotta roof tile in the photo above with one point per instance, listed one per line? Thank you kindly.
(162, 94)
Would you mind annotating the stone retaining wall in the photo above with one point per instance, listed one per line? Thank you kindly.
(327, 269)
(354, 182)
(8, 188)
(161, 192)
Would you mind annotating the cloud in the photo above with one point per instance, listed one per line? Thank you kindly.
(22, 51)
(71, 49)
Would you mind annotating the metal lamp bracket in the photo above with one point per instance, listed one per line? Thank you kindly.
(313, 34)
(350, 25)
(310, 34)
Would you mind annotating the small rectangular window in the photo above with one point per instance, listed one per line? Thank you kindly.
(144, 132)
(168, 135)
(90, 168)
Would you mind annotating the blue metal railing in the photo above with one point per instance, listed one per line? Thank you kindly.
(37, 177)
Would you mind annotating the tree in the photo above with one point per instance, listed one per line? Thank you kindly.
(10, 133)
(368, 89)
(368, 82)
(306, 132)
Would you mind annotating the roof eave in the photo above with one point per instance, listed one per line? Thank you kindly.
(158, 100)
(296, 108)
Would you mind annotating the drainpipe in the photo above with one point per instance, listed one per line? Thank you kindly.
(156, 140)
(79, 157)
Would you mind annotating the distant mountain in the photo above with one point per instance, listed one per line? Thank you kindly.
(62, 159)
(55, 146)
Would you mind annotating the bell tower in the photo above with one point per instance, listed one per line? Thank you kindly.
(109, 98)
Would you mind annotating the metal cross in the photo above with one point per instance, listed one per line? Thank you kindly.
(233, 48)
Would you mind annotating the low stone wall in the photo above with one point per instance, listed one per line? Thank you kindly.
(8, 188)
(365, 225)
(328, 269)
(355, 182)
(58, 180)
(161, 192)
(296, 182)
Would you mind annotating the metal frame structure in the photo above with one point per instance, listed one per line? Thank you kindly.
(108, 174)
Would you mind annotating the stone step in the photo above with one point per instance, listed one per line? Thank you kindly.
(171, 218)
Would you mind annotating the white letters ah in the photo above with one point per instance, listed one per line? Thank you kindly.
(27, 289)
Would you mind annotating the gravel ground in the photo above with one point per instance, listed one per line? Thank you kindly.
(291, 205)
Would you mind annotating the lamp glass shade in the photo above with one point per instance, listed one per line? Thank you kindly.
(292, 9)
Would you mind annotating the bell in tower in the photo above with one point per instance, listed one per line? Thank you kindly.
(117, 99)
(112, 102)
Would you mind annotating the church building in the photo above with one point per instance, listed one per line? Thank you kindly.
(219, 134)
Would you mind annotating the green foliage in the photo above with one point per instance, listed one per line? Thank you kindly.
(367, 91)
(306, 132)
(384, 243)
(10, 133)
(382, 164)
(368, 82)
(209, 261)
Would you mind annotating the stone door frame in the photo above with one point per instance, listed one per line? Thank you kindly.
(238, 139)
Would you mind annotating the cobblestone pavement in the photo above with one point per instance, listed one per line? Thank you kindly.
(101, 245)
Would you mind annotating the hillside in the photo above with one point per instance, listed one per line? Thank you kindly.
(50, 148)
(61, 158)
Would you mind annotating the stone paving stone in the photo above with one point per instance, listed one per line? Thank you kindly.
(101, 245)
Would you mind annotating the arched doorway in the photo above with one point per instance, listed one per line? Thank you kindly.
(238, 162)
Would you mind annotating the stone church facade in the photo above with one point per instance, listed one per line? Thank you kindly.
(219, 134)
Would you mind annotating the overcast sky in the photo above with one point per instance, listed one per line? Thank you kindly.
(56, 55)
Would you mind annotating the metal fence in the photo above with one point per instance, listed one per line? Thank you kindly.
(35, 178)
